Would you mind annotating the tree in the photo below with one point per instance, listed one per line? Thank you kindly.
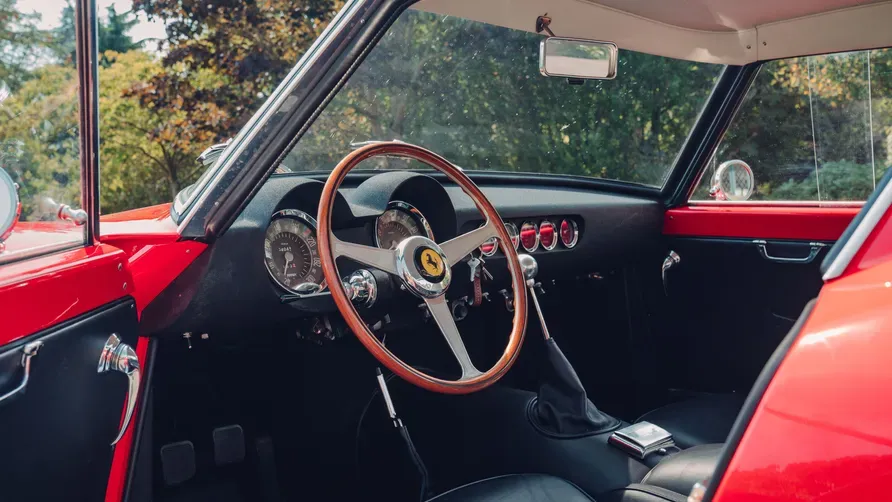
(111, 35)
(247, 46)
(22, 45)
(473, 93)
(137, 167)
(39, 138)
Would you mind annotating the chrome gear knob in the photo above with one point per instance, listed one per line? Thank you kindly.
(529, 266)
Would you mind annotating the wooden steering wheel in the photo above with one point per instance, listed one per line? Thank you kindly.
(423, 266)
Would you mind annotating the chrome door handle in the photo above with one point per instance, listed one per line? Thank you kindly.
(28, 351)
(671, 260)
(814, 249)
(118, 356)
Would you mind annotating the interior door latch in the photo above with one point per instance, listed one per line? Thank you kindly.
(118, 356)
(671, 260)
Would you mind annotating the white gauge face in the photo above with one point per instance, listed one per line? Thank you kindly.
(290, 252)
(399, 222)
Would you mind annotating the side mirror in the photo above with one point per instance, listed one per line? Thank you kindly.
(10, 207)
(733, 180)
(577, 58)
(210, 154)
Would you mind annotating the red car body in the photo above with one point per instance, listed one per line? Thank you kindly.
(820, 431)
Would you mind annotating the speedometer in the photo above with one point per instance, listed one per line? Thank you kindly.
(290, 252)
(399, 222)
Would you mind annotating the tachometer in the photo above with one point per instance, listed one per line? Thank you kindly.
(399, 222)
(290, 252)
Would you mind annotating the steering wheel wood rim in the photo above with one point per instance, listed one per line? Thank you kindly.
(327, 244)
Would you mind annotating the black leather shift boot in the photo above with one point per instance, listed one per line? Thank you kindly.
(561, 408)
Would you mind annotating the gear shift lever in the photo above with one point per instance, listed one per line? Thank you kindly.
(530, 268)
(561, 408)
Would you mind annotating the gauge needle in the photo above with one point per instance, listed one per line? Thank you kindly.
(289, 257)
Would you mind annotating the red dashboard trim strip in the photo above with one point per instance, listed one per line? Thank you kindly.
(763, 222)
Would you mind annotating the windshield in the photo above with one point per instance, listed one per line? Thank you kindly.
(472, 92)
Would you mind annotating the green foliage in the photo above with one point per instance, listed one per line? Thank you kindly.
(817, 111)
(39, 138)
(467, 90)
(473, 93)
(842, 180)
(22, 45)
(248, 47)
(111, 35)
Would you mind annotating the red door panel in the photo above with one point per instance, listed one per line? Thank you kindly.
(45, 291)
(759, 222)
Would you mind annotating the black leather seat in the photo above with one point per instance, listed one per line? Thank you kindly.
(670, 481)
(516, 488)
(697, 421)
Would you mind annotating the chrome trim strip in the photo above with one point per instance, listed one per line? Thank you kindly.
(777, 203)
(269, 107)
(860, 234)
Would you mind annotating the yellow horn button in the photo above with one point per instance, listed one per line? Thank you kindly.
(431, 264)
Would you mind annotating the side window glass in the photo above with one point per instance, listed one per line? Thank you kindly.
(813, 129)
(40, 173)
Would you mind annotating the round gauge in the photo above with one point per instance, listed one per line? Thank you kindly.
(548, 235)
(399, 222)
(529, 236)
(512, 232)
(489, 247)
(569, 233)
(290, 252)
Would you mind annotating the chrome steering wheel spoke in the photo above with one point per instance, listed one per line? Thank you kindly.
(463, 245)
(382, 259)
(443, 316)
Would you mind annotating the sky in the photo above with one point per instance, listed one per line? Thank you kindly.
(51, 11)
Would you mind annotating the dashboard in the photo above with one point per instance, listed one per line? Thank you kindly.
(266, 267)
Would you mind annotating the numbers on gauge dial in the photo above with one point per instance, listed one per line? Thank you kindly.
(398, 223)
(290, 253)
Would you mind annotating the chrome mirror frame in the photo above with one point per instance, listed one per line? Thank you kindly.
(723, 190)
(612, 50)
(11, 206)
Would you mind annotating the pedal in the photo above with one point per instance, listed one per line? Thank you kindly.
(229, 444)
(177, 462)
(266, 470)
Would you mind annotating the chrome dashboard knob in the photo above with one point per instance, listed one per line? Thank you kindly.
(361, 288)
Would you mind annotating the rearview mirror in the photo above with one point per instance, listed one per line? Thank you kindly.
(577, 58)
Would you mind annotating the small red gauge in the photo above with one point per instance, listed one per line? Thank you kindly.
(569, 233)
(489, 247)
(512, 232)
(547, 235)
(529, 236)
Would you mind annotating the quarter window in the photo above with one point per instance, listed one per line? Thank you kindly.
(814, 129)
(39, 137)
